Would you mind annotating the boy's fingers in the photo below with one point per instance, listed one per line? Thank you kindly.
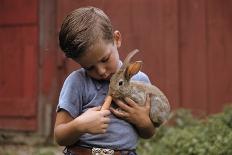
(148, 100)
(119, 113)
(122, 105)
(130, 102)
(105, 112)
(96, 108)
(106, 120)
(116, 112)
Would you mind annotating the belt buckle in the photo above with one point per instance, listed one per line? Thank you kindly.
(102, 151)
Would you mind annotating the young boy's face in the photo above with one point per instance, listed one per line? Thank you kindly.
(101, 60)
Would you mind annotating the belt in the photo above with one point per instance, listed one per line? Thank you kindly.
(77, 150)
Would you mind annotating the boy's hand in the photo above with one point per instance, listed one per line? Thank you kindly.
(134, 113)
(94, 121)
(137, 115)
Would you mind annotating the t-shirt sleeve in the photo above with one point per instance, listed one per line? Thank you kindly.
(70, 98)
(140, 76)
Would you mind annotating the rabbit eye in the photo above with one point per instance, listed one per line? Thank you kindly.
(120, 83)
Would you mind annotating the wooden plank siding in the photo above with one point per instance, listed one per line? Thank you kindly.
(150, 26)
(18, 64)
(18, 12)
(219, 39)
(185, 46)
(193, 58)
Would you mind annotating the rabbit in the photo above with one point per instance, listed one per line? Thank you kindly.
(120, 87)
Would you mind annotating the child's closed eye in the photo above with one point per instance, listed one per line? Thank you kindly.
(105, 59)
(89, 68)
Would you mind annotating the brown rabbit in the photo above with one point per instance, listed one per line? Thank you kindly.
(121, 87)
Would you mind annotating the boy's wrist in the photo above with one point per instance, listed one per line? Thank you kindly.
(145, 128)
(79, 126)
(145, 123)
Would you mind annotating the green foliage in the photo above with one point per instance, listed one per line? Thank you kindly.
(191, 136)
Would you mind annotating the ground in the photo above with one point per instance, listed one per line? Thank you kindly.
(7, 149)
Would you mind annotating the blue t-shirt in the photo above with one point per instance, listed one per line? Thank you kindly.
(81, 92)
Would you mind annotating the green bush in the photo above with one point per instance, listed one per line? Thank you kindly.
(191, 136)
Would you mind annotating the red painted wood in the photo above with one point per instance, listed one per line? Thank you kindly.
(171, 50)
(20, 106)
(19, 73)
(19, 64)
(18, 12)
(48, 50)
(184, 46)
(18, 123)
(144, 25)
(219, 54)
(193, 55)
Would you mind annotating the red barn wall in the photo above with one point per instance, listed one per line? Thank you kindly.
(185, 45)
(18, 64)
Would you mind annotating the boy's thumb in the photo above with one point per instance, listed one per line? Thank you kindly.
(148, 100)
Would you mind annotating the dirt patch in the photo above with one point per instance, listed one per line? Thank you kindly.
(30, 150)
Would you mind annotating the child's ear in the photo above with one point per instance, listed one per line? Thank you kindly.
(133, 69)
(117, 38)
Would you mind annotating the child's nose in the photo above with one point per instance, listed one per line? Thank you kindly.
(101, 70)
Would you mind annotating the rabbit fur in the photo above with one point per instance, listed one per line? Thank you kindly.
(121, 87)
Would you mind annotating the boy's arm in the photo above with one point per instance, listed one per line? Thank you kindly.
(145, 127)
(137, 115)
(65, 132)
(68, 130)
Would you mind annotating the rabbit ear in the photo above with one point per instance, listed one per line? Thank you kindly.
(128, 58)
(133, 69)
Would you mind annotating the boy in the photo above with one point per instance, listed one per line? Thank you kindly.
(87, 37)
